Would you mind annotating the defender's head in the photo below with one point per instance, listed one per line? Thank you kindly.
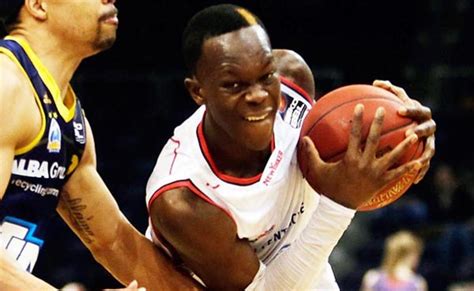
(9, 10)
(84, 27)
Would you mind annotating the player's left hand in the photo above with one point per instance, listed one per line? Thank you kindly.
(426, 125)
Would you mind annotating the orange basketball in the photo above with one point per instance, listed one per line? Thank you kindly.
(329, 123)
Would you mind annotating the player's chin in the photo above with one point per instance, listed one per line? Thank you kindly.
(105, 43)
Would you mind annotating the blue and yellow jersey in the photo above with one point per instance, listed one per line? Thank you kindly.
(41, 168)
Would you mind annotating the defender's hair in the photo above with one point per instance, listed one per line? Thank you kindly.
(9, 10)
(210, 22)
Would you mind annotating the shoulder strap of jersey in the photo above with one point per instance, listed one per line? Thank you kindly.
(26, 64)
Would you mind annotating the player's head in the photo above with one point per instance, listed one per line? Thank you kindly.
(402, 247)
(210, 22)
(86, 26)
(229, 55)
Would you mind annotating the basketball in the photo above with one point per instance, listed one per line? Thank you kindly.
(329, 123)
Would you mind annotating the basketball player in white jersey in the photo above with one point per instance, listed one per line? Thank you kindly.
(226, 198)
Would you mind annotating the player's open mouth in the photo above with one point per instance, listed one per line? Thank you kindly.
(256, 117)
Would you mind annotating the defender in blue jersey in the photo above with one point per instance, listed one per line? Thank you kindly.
(42, 167)
(47, 156)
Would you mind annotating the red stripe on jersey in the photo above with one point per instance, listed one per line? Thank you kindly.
(187, 184)
(163, 243)
(224, 177)
(297, 88)
(175, 151)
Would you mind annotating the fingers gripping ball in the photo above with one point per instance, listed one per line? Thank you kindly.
(329, 123)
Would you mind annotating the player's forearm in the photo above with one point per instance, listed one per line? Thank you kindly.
(12, 277)
(133, 257)
(300, 266)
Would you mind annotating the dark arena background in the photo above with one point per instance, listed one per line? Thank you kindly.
(133, 95)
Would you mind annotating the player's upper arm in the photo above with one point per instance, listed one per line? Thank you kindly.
(12, 131)
(90, 210)
(293, 67)
(205, 238)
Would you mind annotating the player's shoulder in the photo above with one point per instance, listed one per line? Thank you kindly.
(294, 68)
(16, 103)
(14, 89)
(181, 208)
(12, 80)
(180, 200)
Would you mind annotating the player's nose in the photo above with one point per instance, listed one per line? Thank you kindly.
(256, 94)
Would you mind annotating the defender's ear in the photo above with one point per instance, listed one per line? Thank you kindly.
(37, 8)
(195, 90)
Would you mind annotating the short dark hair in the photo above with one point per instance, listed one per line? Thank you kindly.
(210, 22)
(9, 10)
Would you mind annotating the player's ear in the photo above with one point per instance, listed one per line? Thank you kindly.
(194, 89)
(37, 8)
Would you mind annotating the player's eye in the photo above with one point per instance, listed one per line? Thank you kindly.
(232, 86)
(268, 78)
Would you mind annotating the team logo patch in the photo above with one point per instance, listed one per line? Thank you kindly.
(54, 137)
(17, 237)
(79, 132)
(295, 111)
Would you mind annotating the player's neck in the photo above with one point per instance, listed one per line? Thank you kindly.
(60, 62)
(237, 162)
(233, 159)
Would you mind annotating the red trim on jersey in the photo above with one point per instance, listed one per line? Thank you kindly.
(169, 249)
(224, 177)
(297, 88)
(187, 184)
(175, 153)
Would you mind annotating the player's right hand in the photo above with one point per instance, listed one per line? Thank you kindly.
(358, 176)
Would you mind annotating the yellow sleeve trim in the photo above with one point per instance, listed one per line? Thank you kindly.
(66, 113)
(37, 138)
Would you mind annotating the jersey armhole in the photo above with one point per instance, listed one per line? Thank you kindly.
(190, 185)
(34, 142)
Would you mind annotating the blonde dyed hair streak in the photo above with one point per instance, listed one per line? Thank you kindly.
(249, 17)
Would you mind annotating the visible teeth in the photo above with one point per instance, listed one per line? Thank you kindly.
(256, 118)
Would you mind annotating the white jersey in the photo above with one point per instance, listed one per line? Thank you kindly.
(271, 209)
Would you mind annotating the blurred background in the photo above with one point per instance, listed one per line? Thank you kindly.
(134, 96)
